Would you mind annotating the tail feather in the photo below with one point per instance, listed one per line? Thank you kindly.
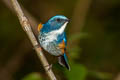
(64, 61)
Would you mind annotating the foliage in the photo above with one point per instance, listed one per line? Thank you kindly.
(33, 76)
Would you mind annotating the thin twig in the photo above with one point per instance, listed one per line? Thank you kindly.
(27, 28)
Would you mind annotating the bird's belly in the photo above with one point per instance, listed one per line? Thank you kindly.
(50, 47)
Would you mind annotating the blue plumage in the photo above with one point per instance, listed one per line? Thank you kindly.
(53, 38)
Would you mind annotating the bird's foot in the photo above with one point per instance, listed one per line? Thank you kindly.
(36, 46)
(49, 67)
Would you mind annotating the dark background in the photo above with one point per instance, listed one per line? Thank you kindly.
(93, 40)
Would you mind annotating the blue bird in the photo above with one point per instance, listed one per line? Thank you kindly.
(52, 38)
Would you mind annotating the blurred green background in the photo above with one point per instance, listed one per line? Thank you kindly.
(93, 40)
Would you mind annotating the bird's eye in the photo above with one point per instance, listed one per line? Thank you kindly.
(58, 20)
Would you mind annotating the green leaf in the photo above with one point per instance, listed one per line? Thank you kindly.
(33, 76)
(77, 72)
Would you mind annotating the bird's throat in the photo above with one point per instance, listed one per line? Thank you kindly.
(60, 30)
(51, 36)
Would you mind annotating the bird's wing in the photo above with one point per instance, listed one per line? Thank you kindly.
(63, 58)
(65, 39)
(63, 44)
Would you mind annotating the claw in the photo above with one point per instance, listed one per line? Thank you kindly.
(36, 46)
(49, 67)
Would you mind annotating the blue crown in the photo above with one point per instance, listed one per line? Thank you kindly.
(54, 23)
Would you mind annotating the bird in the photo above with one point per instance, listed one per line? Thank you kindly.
(52, 38)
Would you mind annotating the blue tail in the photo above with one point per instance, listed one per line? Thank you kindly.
(64, 61)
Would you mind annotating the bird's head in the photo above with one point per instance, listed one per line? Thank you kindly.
(57, 22)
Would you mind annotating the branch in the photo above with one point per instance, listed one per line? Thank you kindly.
(27, 28)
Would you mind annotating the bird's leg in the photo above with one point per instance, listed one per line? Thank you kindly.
(36, 46)
(49, 66)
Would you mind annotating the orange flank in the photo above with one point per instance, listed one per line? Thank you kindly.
(62, 46)
(40, 27)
